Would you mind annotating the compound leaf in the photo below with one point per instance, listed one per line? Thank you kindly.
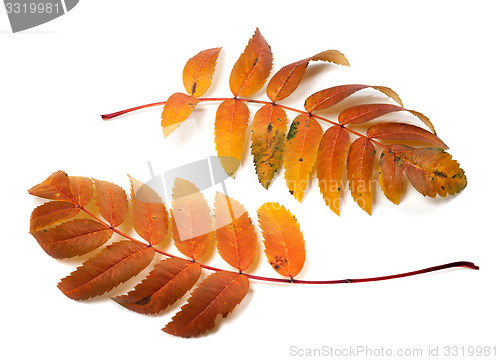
(218, 294)
(166, 283)
(198, 72)
(236, 238)
(268, 140)
(253, 67)
(73, 238)
(283, 240)
(115, 264)
(301, 149)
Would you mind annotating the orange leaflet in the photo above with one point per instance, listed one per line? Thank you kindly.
(73, 238)
(191, 219)
(360, 114)
(400, 131)
(286, 80)
(149, 215)
(253, 67)
(231, 122)
(111, 201)
(391, 175)
(175, 111)
(332, 156)
(167, 283)
(284, 242)
(360, 163)
(198, 72)
(55, 187)
(218, 294)
(329, 97)
(236, 238)
(82, 189)
(431, 171)
(301, 149)
(268, 140)
(51, 213)
(101, 273)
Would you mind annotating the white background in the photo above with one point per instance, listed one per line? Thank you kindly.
(103, 56)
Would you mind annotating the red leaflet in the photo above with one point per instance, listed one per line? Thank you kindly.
(360, 163)
(400, 131)
(332, 156)
(166, 284)
(149, 215)
(51, 213)
(327, 98)
(236, 238)
(198, 72)
(111, 201)
(251, 70)
(218, 294)
(73, 238)
(191, 219)
(101, 273)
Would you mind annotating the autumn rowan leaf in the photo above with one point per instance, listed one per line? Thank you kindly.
(268, 140)
(175, 111)
(101, 273)
(360, 114)
(231, 122)
(167, 283)
(111, 201)
(391, 175)
(360, 163)
(149, 214)
(192, 228)
(82, 189)
(50, 213)
(218, 294)
(55, 187)
(332, 157)
(301, 148)
(252, 68)
(431, 171)
(286, 80)
(283, 240)
(73, 238)
(327, 98)
(401, 131)
(198, 72)
(236, 238)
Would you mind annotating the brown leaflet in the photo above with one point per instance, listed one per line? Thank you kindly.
(327, 98)
(253, 67)
(268, 140)
(286, 80)
(111, 201)
(167, 283)
(301, 148)
(231, 122)
(115, 264)
(198, 72)
(149, 214)
(82, 189)
(219, 293)
(192, 228)
(332, 156)
(55, 187)
(50, 213)
(400, 131)
(176, 110)
(391, 175)
(235, 233)
(73, 238)
(360, 114)
(360, 163)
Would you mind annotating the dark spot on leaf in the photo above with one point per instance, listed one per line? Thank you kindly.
(144, 301)
(269, 127)
(439, 173)
(193, 89)
(301, 159)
